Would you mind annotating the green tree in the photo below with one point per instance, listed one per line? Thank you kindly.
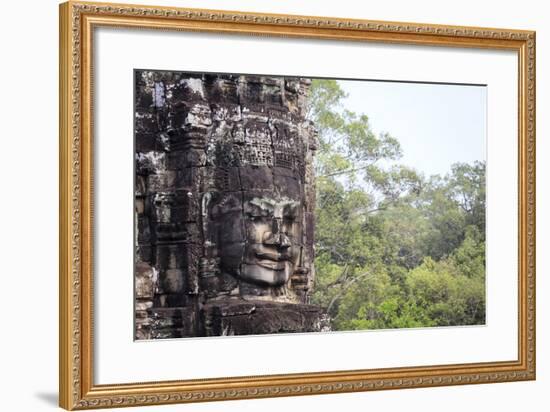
(393, 249)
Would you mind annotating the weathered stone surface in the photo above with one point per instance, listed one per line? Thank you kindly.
(249, 317)
(143, 229)
(256, 178)
(169, 232)
(218, 284)
(163, 182)
(144, 252)
(169, 323)
(224, 195)
(146, 278)
(150, 162)
(175, 207)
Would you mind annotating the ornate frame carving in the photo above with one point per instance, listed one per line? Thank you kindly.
(77, 390)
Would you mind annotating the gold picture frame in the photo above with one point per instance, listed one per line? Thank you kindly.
(76, 384)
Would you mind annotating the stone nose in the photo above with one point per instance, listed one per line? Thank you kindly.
(277, 236)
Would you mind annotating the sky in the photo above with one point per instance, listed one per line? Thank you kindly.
(436, 124)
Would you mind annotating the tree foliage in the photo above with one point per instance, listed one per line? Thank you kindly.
(394, 249)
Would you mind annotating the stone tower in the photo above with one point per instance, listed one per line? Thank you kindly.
(224, 203)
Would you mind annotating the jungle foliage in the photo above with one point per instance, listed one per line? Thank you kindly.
(394, 249)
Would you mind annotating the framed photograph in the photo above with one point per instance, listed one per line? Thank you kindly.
(257, 205)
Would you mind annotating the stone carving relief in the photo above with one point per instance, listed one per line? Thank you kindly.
(224, 205)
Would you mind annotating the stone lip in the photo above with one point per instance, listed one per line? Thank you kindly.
(240, 317)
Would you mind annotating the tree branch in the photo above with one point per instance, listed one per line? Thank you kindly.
(344, 288)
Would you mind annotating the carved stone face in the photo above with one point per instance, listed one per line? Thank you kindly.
(260, 241)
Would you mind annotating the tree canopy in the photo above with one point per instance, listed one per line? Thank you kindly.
(394, 248)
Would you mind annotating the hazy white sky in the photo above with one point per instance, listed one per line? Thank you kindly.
(436, 124)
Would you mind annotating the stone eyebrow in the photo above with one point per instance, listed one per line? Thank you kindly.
(286, 207)
(262, 204)
(254, 208)
(290, 208)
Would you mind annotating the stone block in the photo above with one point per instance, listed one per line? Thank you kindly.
(144, 252)
(144, 97)
(172, 281)
(173, 322)
(150, 162)
(146, 122)
(218, 284)
(256, 178)
(175, 207)
(145, 279)
(181, 257)
(180, 232)
(309, 229)
(143, 230)
(287, 187)
(163, 181)
(240, 317)
(223, 89)
(189, 179)
(226, 179)
(182, 159)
